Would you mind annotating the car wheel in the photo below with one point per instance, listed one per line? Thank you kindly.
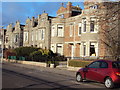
(109, 83)
(79, 78)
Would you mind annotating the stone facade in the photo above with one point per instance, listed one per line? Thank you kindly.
(73, 32)
(14, 35)
(2, 37)
(37, 31)
(57, 35)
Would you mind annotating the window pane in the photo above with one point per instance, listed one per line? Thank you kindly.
(94, 65)
(42, 34)
(92, 26)
(84, 50)
(84, 26)
(6, 39)
(104, 65)
(60, 49)
(79, 30)
(60, 27)
(116, 64)
(92, 50)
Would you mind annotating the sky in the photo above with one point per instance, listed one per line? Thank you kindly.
(13, 11)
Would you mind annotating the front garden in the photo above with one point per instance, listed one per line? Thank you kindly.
(34, 54)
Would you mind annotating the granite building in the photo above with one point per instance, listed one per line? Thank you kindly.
(74, 32)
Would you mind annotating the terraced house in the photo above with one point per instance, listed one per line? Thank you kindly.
(14, 35)
(37, 31)
(81, 33)
(74, 32)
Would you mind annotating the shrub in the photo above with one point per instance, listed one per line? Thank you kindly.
(78, 63)
(39, 56)
(59, 58)
(46, 52)
(9, 52)
(25, 51)
(36, 55)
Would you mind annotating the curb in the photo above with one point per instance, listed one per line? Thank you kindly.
(41, 64)
(27, 62)
(73, 68)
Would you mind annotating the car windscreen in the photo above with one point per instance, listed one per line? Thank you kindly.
(116, 64)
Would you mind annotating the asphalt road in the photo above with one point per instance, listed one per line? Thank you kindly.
(16, 76)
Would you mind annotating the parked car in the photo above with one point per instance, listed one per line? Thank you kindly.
(105, 71)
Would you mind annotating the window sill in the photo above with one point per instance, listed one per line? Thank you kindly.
(93, 32)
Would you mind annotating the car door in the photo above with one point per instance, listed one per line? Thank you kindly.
(102, 71)
(92, 71)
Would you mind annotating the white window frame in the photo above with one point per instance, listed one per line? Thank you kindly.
(60, 32)
(84, 20)
(42, 34)
(6, 39)
(16, 39)
(25, 36)
(39, 34)
(94, 7)
(53, 48)
(60, 52)
(53, 31)
(79, 25)
(32, 35)
(95, 25)
(84, 51)
(96, 47)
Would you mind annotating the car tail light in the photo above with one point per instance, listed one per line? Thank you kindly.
(118, 73)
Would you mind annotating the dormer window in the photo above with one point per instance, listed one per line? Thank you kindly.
(43, 19)
(61, 16)
(94, 7)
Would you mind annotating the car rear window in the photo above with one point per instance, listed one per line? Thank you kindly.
(116, 64)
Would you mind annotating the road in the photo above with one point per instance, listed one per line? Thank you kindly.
(17, 76)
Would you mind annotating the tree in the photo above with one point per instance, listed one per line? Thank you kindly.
(109, 32)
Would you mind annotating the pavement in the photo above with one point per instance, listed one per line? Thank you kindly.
(59, 70)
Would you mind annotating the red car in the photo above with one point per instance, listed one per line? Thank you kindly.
(105, 71)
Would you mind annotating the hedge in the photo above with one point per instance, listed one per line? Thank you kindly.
(78, 63)
(25, 51)
(34, 54)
